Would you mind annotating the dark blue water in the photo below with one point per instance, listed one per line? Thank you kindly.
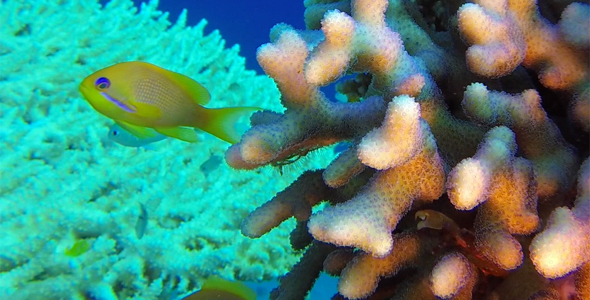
(246, 23)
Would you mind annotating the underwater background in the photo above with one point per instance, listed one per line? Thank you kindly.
(71, 198)
(433, 103)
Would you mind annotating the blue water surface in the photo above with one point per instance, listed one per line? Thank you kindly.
(246, 23)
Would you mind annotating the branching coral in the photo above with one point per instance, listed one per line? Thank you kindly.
(484, 204)
(564, 245)
(506, 185)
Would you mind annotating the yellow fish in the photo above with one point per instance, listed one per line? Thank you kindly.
(140, 96)
(218, 288)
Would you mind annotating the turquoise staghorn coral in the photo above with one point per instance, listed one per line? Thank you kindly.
(65, 184)
(473, 118)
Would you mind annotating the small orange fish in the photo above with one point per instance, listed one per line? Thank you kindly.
(140, 96)
(216, 288)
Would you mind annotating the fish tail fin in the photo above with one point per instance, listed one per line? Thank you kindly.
(221, 122)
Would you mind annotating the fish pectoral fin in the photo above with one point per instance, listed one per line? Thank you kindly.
(138, 131)
(181, 133)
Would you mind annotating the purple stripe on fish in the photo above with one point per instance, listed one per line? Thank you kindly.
(119, 103)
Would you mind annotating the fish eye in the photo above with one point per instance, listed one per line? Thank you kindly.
(115, 132)
(102, 83)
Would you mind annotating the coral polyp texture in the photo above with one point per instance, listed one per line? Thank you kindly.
(467, 127)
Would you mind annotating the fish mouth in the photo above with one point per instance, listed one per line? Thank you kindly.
(120, 104)
(83, 90)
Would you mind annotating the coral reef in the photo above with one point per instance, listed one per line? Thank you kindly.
(65, 184)
(472, 118)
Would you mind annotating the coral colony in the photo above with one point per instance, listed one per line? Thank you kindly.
(82, 217)
(468, 174)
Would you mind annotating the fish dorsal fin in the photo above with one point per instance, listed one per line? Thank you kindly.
(233, 287)
(197, 92)
(138, 131)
